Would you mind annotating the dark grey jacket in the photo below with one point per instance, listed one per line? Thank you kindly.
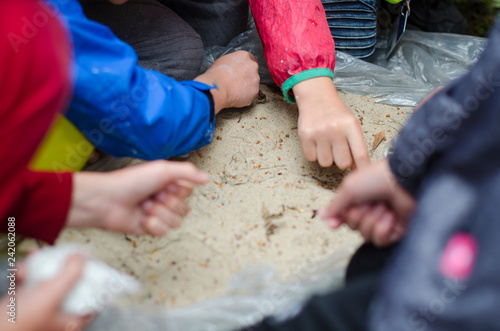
(448, 157)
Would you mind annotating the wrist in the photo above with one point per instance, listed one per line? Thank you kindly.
(84, 211)
(317, 94)
(302, 76)
(217, 92)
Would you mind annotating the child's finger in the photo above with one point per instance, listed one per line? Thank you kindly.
(367, 223)
(156, 175)
(358, 148)
(324, 153)
(185, 171)
(59, 286)
(308, 148)
(353, 216)
(181, 189)
(393, 238)
(171, 218)
(396, 234)
(383, 229)
(155, 226)
(174, 204)
(340, 202)
(333, 222)
(342, 154)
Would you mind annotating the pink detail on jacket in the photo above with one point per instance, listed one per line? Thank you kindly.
(459, 256)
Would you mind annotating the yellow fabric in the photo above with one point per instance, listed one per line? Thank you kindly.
(64, 148)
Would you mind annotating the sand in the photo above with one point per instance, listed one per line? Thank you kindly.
(258, 207)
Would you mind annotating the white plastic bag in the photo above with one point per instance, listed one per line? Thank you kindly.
(98, 287)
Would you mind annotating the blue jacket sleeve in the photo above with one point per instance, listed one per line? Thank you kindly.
(126, 110)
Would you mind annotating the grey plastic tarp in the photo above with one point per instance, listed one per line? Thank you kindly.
(421, 62)
(254, 293)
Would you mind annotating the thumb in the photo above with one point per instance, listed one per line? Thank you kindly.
(339, 203)
(151, 177)
(174, 171)
(61, 284)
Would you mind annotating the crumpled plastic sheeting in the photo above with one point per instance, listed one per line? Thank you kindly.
(256, 292)
(97, 288)
(421, 62)
(247, 41)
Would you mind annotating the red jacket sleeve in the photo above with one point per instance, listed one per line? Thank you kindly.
(34, 76)
(297, 41)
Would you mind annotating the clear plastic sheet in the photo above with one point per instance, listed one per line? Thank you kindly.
(421, 62)
(247, 41)
(98, 287)
(254, 293)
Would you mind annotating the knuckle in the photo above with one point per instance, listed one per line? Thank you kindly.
(350, 120)
(306, 133)
(330, 126)
(346, 187)
(172, 203)
(362, 157)
(191, 167)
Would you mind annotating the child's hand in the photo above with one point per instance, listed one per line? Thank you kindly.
(328, 131)
(376, 223)
(372, 201)
(38, 308)
(236, 77)
(145, 199)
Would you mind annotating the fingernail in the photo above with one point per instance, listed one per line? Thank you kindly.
(205, 176)
(364, 208)
(333, 223)
(386, 219)
(156, 226)
(172, 188)
(162, 196)
(147, 205)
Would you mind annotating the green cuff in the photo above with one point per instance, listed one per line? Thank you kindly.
(301, 76)
(394, 1)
